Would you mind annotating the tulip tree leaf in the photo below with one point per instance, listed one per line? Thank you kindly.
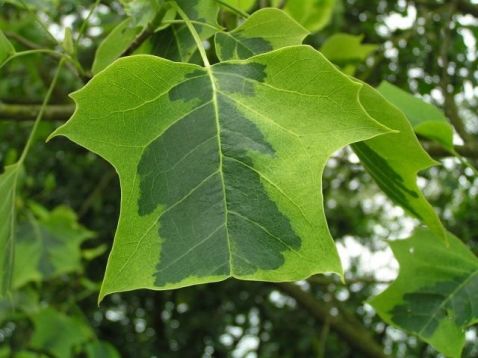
(314, 15)
(57, 333)
(48, 247)
(436, 293)
(395, 171)
(208, 160)
(427, 120)
(6, 48)
(176, 42)
(8, 183)
(263, 31)
(117, 41)
(346, 51)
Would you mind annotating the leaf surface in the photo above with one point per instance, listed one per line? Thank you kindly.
(394, 159)
(8, 183)
(427, 120)
(265, 30)
(209, 161)
(436, 293)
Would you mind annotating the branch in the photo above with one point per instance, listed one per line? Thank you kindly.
(22, 40)
(451, 109)
(30, 112)
(469, 150)
(324, 280)
(357, 336)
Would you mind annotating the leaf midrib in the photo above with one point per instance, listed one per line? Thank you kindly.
(221, 162)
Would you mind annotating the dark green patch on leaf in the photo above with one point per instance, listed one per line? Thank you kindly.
(386, 177)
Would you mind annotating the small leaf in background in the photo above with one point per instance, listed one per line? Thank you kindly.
(101, 349)
(436, 293)
(265, 30)
(6, 48)
(68, 45)
(224, 199)
(393, 160)
(346, 51)
(113, 45)
(244, 5)
(427, 120)
(176, 42)
(48, 246)
(314, 15)
(8, 183)
(57, 333)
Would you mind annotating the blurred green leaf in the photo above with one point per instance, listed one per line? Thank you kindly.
(48, 246)
(314, 15)
(117, 41)
(67, 44)
(58, 333)
(244, 5)
(427, 120)
(142, 12)
(346, 51)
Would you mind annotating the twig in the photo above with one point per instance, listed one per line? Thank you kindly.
(357, 336)
(30, 112)
(22, 40)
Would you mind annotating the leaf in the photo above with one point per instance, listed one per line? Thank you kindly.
(244, 5)
(436, 293)
(142, 12)
(21, 302)
(8, 183)
(263, 31)
(113, 45)
(393, 160)
(48, 247)
(6, 49)
(57, 333)
(314, 15)
(346, 51)
(427, 120)
(101, 349)
(208, 160)
(67, 43)
(176, 42)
